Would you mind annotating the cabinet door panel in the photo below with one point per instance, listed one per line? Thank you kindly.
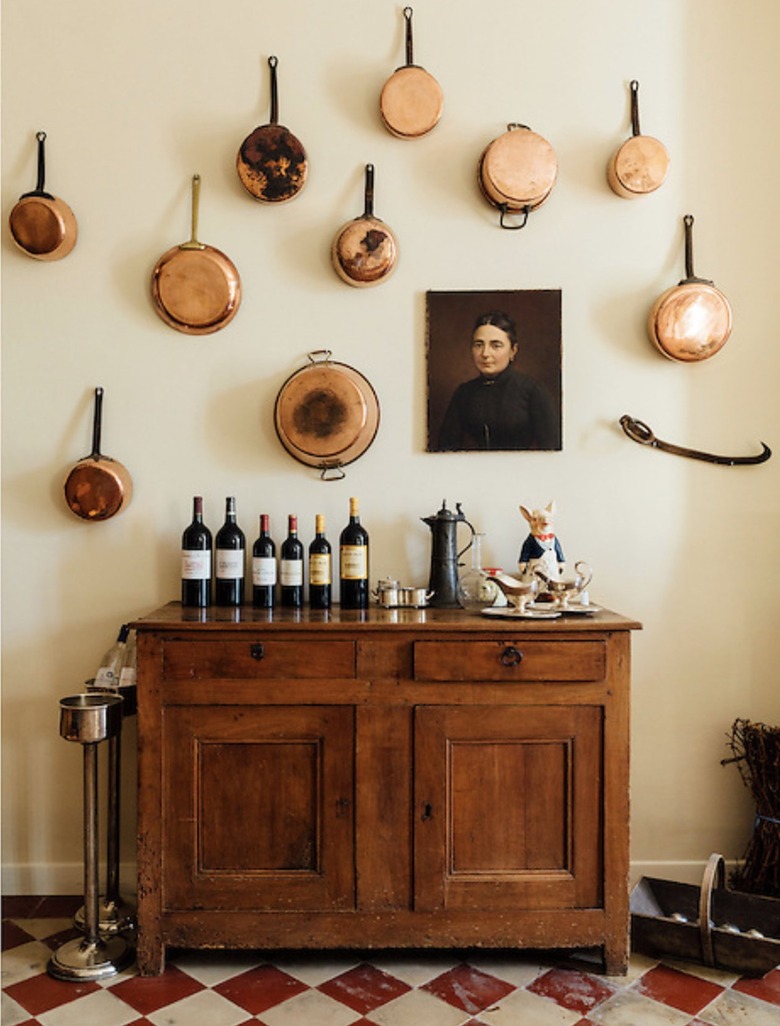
(258, 809)
(501, 794)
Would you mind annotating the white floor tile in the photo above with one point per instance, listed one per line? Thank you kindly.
(202, 1009)
(311, 1008)
(44, 927)
(521, 1006)
(628, 1008)
(418, 1008)
(99, 1007)
(314, 969)
(11, 1012)
(23, 962)
(512, 968)
(734, 1009)
(210, 968)
(415, 969)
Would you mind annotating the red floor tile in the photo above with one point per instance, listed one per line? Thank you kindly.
(14, 935)
(364, 988)
(767, 988)
(260, 988)
(42, 993)
(147, 994)
(680, 990)
(577, 991)
(468, 988)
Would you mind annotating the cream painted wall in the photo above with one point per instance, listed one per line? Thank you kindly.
(136, 97)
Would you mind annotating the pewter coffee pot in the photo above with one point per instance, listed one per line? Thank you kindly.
(444, 555)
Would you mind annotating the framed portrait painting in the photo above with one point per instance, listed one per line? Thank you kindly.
(494, 370)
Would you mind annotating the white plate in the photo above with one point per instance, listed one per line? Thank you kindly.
(575, 608)
(515, 614)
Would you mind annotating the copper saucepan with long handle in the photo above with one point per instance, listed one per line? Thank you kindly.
(43, 226)
(97, 487)
(196, 288)
(692, 320)
(411, 100)
(641, 164)
(365, 251)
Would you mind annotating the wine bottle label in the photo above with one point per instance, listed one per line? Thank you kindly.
(354, 562)
(106, 677)
(230, 564)
(291, 572)
(319, 568)
(127, 677)
(195, 564)
(263, 571)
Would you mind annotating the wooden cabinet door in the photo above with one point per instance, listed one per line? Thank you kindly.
(258, 807)
(508, 807)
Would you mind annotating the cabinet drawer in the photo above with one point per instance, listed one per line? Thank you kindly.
(509, 660)
(253, 658)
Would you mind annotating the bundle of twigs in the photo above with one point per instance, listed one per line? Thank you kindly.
(756, 751)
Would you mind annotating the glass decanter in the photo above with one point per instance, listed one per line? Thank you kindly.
(476, 589)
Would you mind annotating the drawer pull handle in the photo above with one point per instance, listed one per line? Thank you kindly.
(427, 811)
(257, 652)
(511, 656)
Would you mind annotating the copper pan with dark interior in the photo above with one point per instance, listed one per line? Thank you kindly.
(692, 320)
(43, 226)
(365, 251)
(516, 172)
(196, 288)
(411, 100)
(97, 487)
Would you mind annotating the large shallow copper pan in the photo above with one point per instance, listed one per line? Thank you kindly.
(692, 320)
(326, 414)
(411, 100)
(641, 164)
(43, 226)
(271, 162)
(365, 251)
(97, 487)
(516, 172)
(196, 288)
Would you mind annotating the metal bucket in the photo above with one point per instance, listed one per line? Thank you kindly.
(89, 719)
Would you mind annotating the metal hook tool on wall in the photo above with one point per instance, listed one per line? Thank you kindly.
(639, 432)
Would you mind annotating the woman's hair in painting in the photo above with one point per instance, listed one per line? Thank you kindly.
(498, 319)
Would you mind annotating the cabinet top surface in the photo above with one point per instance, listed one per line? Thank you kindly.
(175, 617)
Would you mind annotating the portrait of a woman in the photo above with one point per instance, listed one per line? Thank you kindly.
(502, 406)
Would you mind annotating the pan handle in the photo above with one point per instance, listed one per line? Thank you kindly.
(409, 48)
(272, 63)
(193, 243)
(689, 275)
(368, 210)
(634, 86)
(96, 424)
(513, 227)
(39, 190)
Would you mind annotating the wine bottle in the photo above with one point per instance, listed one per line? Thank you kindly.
(107, 677)
(319, 566)
(353, 561)
(230, 547)
(291, 566)
(128, 672)
(263, 567)
(196, 560)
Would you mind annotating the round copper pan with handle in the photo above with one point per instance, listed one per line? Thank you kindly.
(692, 320)
(326, 415)
(271, 162)
(365, 251)
(196, 288)
(517, 172)
(43, 226)
(97, 487)
(411, 100)
(641, 164)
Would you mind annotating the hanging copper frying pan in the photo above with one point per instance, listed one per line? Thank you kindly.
(196, 288)
(517, 172)
(692, 320)
(411, 100)
(43, 226)
(641, 164)
(97, 487)
(365, 251)
(326, 414)
(271, 162)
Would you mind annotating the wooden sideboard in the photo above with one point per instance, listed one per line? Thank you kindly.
(382, 779)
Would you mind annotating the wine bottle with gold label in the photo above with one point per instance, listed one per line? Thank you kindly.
(353, 561)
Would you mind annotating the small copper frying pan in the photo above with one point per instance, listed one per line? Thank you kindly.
(271, 162)
(690, 321)
(411, 100)
(365, 251)
(641, 164)
(43, 226)
(196, 288)
(97, 486)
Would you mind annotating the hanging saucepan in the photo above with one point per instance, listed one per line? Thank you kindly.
(640, 165)
(411, 100)
(43, 226)
(692, 320)
(271, 162)
(97, 486)
(326, 415)
(196, 288)
(517, 172)
(365, 251)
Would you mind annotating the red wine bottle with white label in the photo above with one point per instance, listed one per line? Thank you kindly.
(230, 547)
(196, 560)
(263, 567)
(353, 561)
(319, 567)
(291, 567)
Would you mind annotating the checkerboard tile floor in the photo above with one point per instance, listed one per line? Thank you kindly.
(363, 989)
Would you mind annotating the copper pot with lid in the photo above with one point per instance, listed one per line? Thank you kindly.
(43, 226)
